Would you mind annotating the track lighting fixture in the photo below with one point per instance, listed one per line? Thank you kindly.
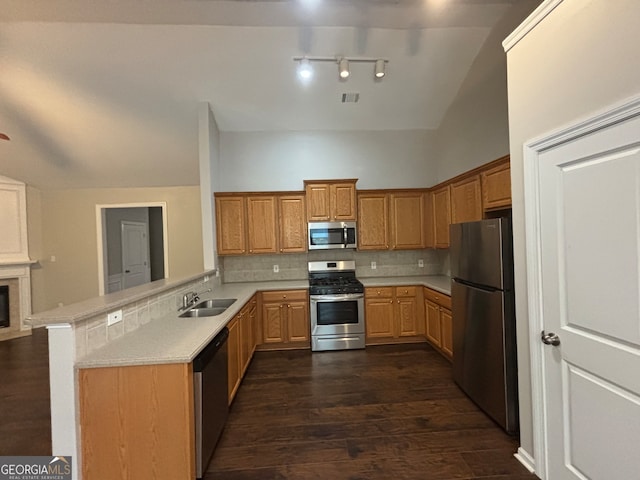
(305, 70)
(379, 69)
(343, 68)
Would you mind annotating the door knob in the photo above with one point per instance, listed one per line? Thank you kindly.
(550, 338)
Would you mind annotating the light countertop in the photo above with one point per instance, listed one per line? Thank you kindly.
(172, 339)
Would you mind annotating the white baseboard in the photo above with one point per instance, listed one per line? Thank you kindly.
(525, 459)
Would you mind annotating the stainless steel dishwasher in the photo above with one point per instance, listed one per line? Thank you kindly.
(211, 398)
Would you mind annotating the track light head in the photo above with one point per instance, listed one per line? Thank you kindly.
(305, 71)
(343, 68)
(379, 69)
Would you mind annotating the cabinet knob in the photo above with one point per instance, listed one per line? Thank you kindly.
(284, 296)
(289, 306)
(406, 292)
(398, 302)
(281, 305)
(391, 301)
(378, 292)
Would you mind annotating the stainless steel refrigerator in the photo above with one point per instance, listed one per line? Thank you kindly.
(484, 336)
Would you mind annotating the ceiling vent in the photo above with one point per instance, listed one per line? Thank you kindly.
(350, 97)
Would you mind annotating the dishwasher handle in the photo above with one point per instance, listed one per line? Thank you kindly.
(205, 356)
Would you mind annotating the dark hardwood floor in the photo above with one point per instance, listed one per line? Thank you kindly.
(25, 415)
(387, 412)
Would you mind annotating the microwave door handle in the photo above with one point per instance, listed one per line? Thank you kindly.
(344, 236)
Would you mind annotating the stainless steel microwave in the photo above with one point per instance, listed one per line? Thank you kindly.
(327, 235)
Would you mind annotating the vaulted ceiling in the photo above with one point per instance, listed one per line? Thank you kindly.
(106, 93)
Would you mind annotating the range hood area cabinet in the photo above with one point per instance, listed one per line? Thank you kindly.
(330, 201)
(391, 219)
(255, 223)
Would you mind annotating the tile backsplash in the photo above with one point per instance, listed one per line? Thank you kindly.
(259, 268)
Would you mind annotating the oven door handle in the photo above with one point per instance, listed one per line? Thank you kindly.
(336, 298)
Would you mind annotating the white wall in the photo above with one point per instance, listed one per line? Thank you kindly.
(475, 129)
(209, 161)
(264, 161)
(581, 59)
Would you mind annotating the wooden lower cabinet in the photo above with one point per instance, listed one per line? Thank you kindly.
(393, 314)
(137, 422)
(438, 322)
(285, 319)
(241, 345)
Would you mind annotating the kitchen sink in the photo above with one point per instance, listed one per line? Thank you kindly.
(216, 303)
(204, 312)
(209, 308)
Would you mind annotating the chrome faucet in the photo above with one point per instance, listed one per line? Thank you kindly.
(191, 298)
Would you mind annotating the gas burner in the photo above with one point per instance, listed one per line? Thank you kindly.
(333, 278)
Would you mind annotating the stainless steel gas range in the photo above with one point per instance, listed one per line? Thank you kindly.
(337, 306)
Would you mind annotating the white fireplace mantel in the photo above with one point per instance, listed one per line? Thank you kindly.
(15, 263)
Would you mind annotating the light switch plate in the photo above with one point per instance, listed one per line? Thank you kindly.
(421, 263)
(114, 317)
(373, 265)
(276, 269)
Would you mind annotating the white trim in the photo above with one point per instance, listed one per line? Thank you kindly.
(101, 235)
(532, 150)
(539, 14)
(525, 459)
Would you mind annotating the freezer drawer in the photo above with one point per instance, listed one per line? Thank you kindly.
(484, 363)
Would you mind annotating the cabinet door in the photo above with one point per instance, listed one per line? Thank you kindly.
(246, 339)
(233, 359)
(447, 331)
(343, 201)
(466, 200)
(293, 224)
(318, 202)
(379, 317)
(373, 226)
(230, 225)
(273, 322)
(407, 316)
(261, 220)
(442, 216)
(496, 187)
(298, 327)
(256, 338)
(407, 220)
(429, 240)
(432, 314)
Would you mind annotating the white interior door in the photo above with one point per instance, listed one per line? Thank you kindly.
(589, 200)
(135, 254)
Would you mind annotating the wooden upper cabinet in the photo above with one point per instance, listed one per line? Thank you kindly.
(373, 225)
(293, 223)
(230, 225)
(407, 220)
(329, 201)
(466, 200)
(261, 221)
(441, 216)
(496, 186)
(343, 201)
(429, 239)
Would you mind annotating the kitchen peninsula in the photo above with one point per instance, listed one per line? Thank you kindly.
(157, 347)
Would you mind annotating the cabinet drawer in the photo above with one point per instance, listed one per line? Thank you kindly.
(437, 297)
(284, 296)
(406, 291)
(378, 292)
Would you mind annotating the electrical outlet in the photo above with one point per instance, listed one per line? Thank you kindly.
(114, 317)
(373, 265)
(276, 269)
(421, 263)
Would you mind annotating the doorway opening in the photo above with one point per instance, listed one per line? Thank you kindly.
(132, 245)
